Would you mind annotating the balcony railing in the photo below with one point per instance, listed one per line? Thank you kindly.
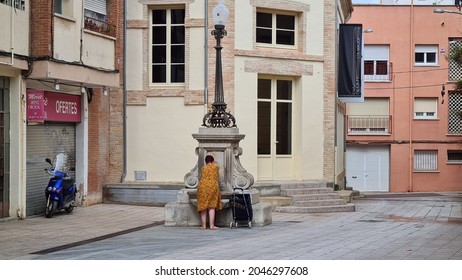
(369, 124)
(100, 26)
(378, 71)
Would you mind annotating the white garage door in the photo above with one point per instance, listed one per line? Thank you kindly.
(368, 168)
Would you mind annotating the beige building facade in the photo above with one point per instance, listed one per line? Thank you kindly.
(279, 72)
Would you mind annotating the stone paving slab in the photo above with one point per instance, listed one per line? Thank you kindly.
(390, 228)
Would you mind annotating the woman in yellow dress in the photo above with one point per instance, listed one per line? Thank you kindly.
(208, 193)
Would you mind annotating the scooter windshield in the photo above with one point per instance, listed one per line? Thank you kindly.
(61, 163)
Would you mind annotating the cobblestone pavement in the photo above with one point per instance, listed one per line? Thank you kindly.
(384, 227)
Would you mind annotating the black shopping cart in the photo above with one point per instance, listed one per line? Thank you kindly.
(241, 206)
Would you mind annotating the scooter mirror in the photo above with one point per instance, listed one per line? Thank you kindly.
(48, 160)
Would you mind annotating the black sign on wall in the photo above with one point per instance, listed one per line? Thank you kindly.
(350, 72)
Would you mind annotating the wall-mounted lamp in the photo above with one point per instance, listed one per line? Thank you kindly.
(82, 89)
(57, 86)
(369, 30)
(105, 91)
(443, 92)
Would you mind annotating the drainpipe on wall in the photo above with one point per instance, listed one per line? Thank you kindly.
(411, 93)
(206, 52)
(124, 71)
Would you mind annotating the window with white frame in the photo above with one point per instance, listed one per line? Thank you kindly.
(455, 156)
(376, 63)
(426, 55)
(425, 160)
(63, 7)
(168, 46)
(425, 108)
(276, 29)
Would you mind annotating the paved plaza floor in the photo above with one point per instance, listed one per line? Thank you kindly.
(425, 226)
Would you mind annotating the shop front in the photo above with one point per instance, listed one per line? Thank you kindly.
(52, 119)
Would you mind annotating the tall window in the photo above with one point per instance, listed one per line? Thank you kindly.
(376, 63)
(168, 46)
(425, 108)
(426, 55)
(425, 160)
(276, 29)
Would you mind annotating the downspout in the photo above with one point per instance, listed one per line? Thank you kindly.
(13, 11)
(411, 93)
(81, 31)
(124, 71)
(206, 52)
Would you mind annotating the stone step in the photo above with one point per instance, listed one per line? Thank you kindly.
(317, 209)
(303, 185)
(324, 202)
(276, 201)
(315, 196)
(291, 192)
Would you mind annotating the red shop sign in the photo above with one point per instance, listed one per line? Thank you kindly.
(35, 106)
(48, 106)
(62, 107)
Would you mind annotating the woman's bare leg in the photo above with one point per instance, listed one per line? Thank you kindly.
(212, 218)
(204, 219)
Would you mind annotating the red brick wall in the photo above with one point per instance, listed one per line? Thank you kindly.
(105, 122)
(115, 118)
(41, 28)
(98, 146)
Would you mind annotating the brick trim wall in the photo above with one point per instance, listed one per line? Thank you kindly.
(41, 28)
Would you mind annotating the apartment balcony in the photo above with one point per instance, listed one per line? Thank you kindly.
(100, 26)
(378, 71)
(369, 125)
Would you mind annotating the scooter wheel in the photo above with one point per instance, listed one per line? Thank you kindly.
(51, 209)
(69, 209)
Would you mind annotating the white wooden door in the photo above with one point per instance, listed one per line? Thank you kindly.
(367, 168)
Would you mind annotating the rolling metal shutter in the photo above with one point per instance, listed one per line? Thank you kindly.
(45, 141)
(98, 6)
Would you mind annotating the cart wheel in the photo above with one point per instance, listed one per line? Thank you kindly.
(250, 224)
(236, 224)
(231, 225)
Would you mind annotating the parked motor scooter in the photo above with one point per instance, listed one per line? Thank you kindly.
(61, 190)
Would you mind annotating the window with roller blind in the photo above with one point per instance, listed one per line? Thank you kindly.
(425, 108)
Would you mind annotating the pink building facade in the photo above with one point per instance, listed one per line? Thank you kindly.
(407, 135)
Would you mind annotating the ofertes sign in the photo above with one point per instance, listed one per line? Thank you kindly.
(57, 107)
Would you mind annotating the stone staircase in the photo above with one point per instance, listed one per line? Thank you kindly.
(311, 197)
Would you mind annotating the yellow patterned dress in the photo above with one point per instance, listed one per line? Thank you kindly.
(208, 191)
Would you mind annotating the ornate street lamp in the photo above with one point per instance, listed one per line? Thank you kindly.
(219, 117)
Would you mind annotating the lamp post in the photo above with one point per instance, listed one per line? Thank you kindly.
(219, 117)
(441, 11)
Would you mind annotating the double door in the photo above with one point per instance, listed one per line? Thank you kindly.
(275, 129)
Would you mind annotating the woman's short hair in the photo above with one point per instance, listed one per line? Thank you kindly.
(209, 159)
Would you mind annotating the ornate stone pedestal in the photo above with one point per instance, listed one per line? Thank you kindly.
(223, 145)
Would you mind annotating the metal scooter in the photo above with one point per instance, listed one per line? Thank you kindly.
(61, 190)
